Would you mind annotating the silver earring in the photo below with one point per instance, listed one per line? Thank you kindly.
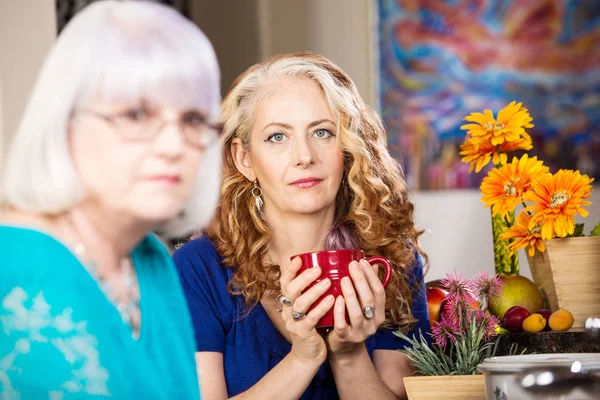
(257, 193)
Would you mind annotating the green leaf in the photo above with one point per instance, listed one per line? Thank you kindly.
(596, 230)
(578, 231)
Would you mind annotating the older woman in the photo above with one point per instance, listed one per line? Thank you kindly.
(306, 168)
(119, 123)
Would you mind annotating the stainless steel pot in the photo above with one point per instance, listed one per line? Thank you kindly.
(542, 376)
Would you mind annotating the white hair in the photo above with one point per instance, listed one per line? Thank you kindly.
(121, 51)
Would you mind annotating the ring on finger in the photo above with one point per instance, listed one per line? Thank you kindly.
(285, 300)
(297, 315)
(369, 312)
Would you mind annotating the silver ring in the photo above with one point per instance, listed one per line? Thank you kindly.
(297, 315)
(369, 312)
(285, 301)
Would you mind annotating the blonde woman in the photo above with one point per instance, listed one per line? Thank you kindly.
(306, 168)
(118, 139)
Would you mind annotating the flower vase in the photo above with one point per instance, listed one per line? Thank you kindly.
(505, 263)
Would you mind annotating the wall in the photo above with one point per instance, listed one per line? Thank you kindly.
(27, 30)
(246, 32)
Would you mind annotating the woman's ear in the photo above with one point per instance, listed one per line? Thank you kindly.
(242, 159)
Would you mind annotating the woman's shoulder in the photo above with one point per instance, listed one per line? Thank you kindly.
(200, 256)
(29, 252)
(198, 251)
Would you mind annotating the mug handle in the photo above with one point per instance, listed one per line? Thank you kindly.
(386, 263)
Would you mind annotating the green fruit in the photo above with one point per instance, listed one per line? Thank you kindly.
(517, 291)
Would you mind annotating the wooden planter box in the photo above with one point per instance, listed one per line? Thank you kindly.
(451, 387)
(569, 275)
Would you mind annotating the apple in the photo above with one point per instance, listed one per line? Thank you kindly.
(435, 297)
(514, 317)
(544, 312)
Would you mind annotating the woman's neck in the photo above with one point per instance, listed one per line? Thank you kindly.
(115, 233)
(295, 234)
(107, 237)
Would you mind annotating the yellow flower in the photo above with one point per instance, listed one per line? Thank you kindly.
(512, 121)
(524, 235)
(557, 199)
(503, 187)
(480, 155)
(483, 128)
(508, 127)
(489, 139)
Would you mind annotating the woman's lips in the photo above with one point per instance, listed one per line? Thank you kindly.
(166, 179)
(306, 182)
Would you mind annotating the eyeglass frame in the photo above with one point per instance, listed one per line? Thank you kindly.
(110, 118)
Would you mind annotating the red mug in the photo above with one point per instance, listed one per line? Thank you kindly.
(334, 265)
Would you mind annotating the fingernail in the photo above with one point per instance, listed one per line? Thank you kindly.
(316, 271)
(346, 282)
(325, 282)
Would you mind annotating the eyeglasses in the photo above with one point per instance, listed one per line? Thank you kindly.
(140, 124)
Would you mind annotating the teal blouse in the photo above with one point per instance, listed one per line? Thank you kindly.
(61, 337)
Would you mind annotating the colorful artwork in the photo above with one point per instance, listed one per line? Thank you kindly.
(442, 59)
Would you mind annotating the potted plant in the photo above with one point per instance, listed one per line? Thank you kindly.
(447, 361)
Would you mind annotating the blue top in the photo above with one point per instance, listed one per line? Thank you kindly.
(252, 345)
(61, 336)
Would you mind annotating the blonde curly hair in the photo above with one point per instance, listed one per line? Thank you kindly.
(373, 211)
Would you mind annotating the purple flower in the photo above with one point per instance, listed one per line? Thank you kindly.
(446, 331)
(487, 322)
(484, 286)
(456, 285)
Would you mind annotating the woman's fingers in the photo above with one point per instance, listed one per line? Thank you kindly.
(296, 286)
(339, 314)
(306, 299)
(313, 317)
(377, 289)
(290, 271)
(362, 284)
(352, 303)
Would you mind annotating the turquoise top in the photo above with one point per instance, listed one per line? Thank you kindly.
(62, 337)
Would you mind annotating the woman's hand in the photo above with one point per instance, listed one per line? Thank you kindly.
(307, 345)
(367, 291)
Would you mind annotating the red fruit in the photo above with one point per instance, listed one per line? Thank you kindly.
(546, 314)
(435, 297)
(514, 317)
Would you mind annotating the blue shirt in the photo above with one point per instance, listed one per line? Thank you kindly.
(251, 345)
(62, 337)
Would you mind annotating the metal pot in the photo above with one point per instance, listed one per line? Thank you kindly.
(542, 376)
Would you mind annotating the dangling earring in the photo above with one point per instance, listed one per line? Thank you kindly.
(257, 193)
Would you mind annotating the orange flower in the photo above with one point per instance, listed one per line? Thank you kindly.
(524, 235)
(557, 199)
(509, 127)
(482, 129)
(480, 156)
(488, 139)
(503, 187)
(512, 121)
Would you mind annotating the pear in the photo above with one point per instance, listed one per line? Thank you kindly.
(517, 291)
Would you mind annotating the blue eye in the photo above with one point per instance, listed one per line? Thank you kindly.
(276, 138)
(136, 114)
(323, 133)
